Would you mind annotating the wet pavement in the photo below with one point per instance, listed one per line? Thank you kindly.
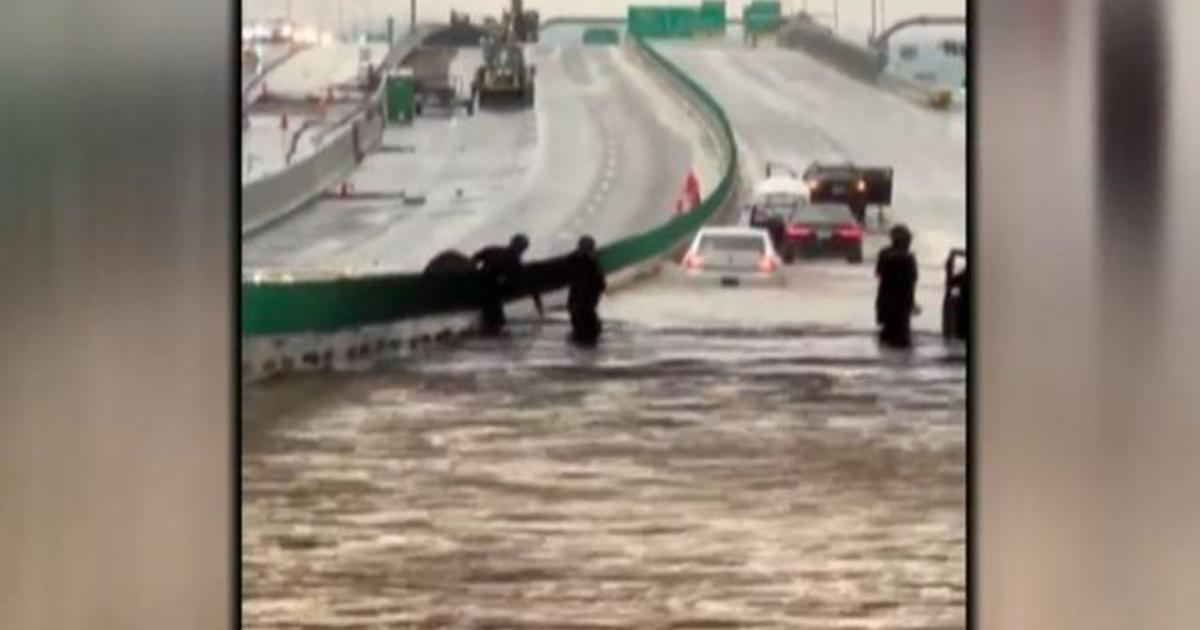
(690, 476)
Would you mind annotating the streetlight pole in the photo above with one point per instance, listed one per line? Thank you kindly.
(874, 13)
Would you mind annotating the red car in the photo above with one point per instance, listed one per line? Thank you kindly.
(822, 230)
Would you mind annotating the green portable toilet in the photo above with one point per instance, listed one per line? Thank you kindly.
(401, 87)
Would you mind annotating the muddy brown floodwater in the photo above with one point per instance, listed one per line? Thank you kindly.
(674, 478)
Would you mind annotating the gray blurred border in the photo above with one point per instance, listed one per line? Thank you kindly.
(117, 263)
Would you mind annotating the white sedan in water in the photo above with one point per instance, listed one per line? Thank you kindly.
(733, 256)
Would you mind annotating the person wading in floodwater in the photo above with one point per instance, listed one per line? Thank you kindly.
(586, 285)
(895, 303)
(502, 274)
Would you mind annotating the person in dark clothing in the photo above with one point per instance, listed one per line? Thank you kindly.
(895, 301)
(450, 261)
(962, 306)
(859, 210)
(777, 229)
(586, 284)
(502, 272)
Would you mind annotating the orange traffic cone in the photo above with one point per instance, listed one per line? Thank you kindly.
(692, 189)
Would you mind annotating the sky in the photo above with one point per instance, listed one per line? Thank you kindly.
(854, 16)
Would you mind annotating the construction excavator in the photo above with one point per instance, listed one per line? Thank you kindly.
(505, 74)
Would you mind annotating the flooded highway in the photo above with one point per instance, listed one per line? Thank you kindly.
(682, 475)
(727, 458)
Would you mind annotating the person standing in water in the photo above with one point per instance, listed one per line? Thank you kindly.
(586, 284)
(895, 302)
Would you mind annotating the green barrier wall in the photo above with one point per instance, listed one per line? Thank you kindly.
(324, 306)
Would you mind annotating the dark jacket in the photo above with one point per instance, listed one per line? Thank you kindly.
(897, 273)
(504, 273)
(499, 263)
(962, 308)
(586, 282)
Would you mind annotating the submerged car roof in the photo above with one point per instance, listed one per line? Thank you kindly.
(731, 230)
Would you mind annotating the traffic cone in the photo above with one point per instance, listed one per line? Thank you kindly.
(692, 188)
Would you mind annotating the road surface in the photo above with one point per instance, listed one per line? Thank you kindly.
(595, 155)
(787, 107)
(266, 142)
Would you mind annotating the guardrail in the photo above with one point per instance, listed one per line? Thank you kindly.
(275, 196)
(275, 309)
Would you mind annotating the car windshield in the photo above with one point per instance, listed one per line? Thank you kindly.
(745, 243)
(822, 213)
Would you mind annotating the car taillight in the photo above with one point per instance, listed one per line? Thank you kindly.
(849, 231)
(798, 231)
(766, 264)
(693, 262)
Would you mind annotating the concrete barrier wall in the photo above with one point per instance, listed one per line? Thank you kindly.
(818, 42)
(275, 196)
